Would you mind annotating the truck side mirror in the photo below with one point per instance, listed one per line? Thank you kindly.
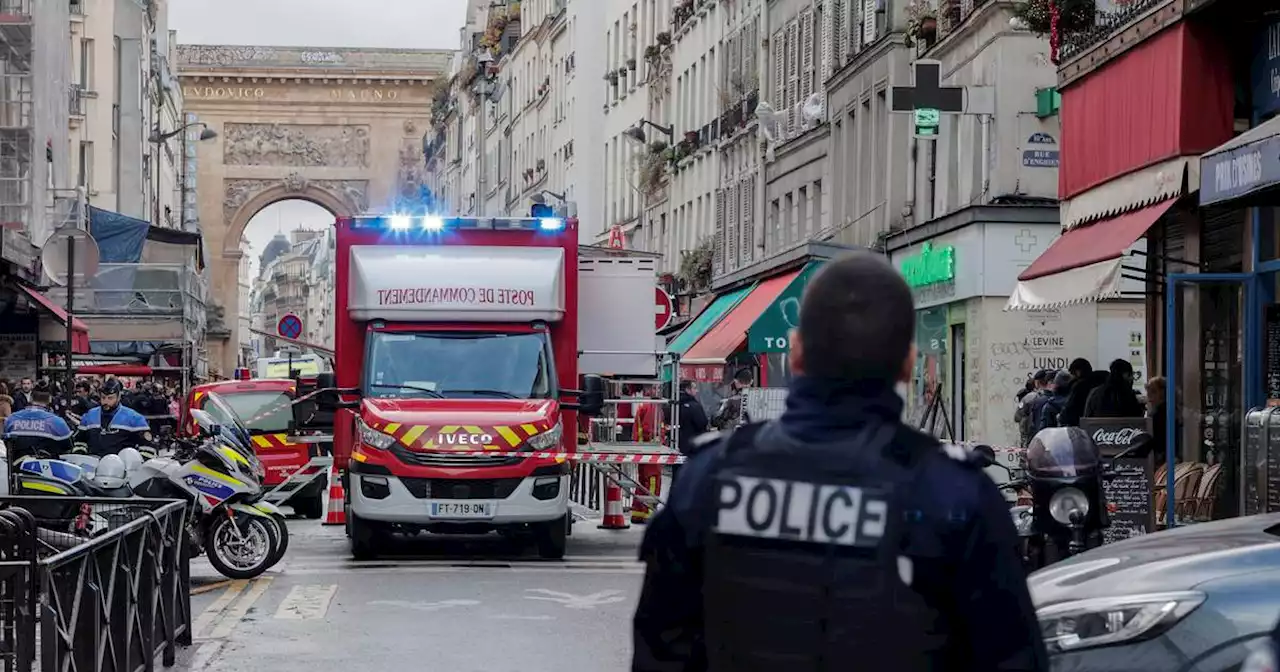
(326, 380)
(591, 400)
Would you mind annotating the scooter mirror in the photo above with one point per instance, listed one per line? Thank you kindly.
(983, 456)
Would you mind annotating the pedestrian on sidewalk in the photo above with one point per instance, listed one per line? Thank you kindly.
(692, 422)
(837, 537)
(1115, 398)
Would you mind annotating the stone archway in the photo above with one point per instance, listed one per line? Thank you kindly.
(243, 199)
(341, 128)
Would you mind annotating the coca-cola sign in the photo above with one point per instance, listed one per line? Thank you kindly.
(1116, 437)
(1112, 435)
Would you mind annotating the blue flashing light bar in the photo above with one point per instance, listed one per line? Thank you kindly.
(431, 224)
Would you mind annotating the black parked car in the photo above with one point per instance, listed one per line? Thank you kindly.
(1198, 598)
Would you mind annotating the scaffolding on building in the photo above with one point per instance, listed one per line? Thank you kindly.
(17, 120)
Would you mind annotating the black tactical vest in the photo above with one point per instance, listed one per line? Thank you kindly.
(802, 565)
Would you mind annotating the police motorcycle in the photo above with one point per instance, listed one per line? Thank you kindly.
(68, 523)
(237, 435)
(222, 480)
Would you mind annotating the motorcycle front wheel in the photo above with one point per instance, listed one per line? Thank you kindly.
(241, 547)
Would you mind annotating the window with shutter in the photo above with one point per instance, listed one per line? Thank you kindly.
(807, 82)
(749, 49)
(717, 244)
(793, 70)
(731, 227)
(778, 46)
(828, 61)
(868, 21)
(748, 219)
(839, 33)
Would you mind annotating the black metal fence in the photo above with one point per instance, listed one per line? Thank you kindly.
(112, 597)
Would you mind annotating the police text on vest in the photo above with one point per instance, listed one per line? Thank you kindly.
(770, 508)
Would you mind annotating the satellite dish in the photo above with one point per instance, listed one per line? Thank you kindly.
(54, 255)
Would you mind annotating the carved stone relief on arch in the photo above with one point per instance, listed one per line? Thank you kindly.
(236, 192)
(296, 145)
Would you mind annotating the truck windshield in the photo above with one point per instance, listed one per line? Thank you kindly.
(273, 406)
(458, 366)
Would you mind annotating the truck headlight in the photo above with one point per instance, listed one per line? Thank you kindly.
(372, 437)
(547, 440)
(1102, 621)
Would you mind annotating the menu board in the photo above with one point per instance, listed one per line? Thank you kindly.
(1128, 491)
(1271, 481)
(1271, 370)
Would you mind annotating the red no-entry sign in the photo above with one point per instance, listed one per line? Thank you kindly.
(664, 309)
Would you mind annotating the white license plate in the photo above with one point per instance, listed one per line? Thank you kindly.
(462, 509)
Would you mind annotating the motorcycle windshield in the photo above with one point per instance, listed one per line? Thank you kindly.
(1063, 452)
(233, 428)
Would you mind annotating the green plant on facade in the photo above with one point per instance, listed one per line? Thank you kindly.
(1073, 15)
(696, 266)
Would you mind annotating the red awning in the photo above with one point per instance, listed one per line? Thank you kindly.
(1084, 264)
(730, 332)
(138, 370)
(80, 331)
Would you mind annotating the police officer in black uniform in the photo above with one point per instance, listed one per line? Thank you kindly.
(837, 538)
(111, 426)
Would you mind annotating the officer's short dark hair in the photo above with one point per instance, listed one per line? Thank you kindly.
(40, 394)
(686, 386)
(743, 376)
(857, 320)
(1043, 375)
(1080, 367)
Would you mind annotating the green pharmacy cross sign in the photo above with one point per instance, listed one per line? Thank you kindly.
(933, 265)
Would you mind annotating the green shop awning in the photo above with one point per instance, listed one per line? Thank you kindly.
(771, 331)
(703, 323)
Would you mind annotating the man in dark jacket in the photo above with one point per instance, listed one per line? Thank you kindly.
(1083, 380)
(1050, 413)
(693, 417)
(1116, 397)
(869, 545)
(693, 421)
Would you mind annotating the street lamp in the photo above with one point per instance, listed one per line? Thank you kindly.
(158, 138)
(636, 132)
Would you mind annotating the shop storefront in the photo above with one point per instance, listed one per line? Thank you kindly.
(973, 351)
(34, 333)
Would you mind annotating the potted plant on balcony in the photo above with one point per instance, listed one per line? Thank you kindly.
(1073, 15)
(652, 53)
(631, 64)
(542, 166)
(664, 39)
(922, 22)
(611, 77)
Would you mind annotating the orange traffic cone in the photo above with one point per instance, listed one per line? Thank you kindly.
(614, 516)
(336, 510)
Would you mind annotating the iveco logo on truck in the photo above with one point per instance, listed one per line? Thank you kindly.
(464, 439)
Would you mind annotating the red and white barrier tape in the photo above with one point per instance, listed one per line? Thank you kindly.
(599, 458)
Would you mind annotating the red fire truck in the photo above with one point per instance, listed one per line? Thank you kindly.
(461, 343)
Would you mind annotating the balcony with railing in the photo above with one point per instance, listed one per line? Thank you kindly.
(76, 101)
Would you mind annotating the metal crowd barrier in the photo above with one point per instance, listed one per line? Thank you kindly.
(115, 602)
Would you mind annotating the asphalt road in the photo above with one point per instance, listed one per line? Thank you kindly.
(440, 604)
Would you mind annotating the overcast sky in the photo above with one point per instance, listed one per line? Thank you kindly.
(397, 24)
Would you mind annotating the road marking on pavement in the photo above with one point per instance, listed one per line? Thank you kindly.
(237, 612)
(577, 601)
(307, 602)
(204, 655)
(517, 617)
(210, 587)
(455, 569)
(425, 606)
(213, 611)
